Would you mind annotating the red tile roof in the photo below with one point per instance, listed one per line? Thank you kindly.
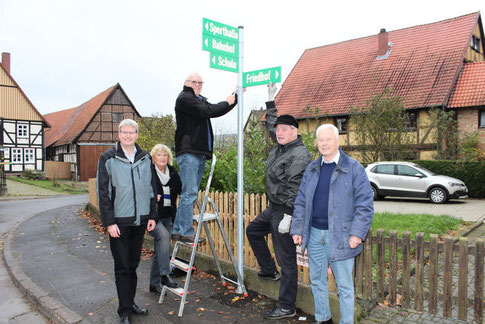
(422, 68)
(470, 88)
(67, 125)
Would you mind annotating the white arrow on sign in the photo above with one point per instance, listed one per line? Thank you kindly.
(206, 26)
(206, 41)
(277, 74)
(214, 59)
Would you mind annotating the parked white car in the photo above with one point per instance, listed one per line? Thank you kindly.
(406, 179)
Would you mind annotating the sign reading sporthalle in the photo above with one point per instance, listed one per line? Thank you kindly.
(263, 76)
(217, 29)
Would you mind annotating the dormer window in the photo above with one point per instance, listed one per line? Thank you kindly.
(475, 43)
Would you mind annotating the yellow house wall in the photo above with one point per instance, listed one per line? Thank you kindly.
(422, 135)
(13, 104)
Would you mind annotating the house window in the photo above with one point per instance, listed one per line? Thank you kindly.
(341, 123)
(22, 130)
(481, 122)
(116, 117)
(29, 156)
(411, 121)
(16, 155)
(475, 43)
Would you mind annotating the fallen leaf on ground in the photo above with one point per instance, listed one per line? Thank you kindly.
(170, 313)
(201, 309)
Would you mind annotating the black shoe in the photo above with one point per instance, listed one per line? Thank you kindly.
(324, 322)
(191, 239)
(175, 237)
(273, 276)
(168, 281)
(139, 311)
(125, 320)
(277, 313)
(156, 289)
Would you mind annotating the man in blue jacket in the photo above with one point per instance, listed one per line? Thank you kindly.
(332, 215)
(194, 142)
(127, 207)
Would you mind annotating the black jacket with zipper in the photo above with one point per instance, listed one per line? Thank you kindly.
(194, 128)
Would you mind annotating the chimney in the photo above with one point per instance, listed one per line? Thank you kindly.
(383, 42)
(6, 61)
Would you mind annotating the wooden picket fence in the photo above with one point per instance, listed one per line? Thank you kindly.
(415, 272)
(431, 276)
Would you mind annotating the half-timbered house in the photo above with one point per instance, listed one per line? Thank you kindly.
(80, 135)
(433, 66)
(21, 126)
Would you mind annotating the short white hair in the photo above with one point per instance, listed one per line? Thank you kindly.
(129, 123)
(332, 127)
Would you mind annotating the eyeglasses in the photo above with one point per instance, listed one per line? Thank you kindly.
(196, 82)
(128, 133)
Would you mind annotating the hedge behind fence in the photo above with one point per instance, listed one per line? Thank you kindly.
(472, 173)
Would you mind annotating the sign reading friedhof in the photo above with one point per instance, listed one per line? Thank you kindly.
(263, 76)
(222, 41)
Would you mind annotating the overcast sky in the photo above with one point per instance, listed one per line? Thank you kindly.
(65, 52)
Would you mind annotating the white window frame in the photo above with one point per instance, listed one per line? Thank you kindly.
(22, 130)
(16, 156)
(29, 155)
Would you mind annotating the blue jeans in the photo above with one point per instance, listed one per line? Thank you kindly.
(192, 167)
(161, 256)
(319, 259)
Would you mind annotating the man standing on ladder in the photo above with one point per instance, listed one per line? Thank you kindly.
(286, 164)
(194, 142)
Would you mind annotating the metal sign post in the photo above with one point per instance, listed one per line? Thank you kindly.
(225, 45)
(240, 160)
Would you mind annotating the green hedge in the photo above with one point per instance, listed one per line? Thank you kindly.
(472, 173)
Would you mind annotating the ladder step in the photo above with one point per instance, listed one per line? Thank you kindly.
(207, 217)
(177, 291)
(230, 280)
(180, 265)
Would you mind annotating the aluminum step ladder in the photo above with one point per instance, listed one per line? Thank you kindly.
(202, 220)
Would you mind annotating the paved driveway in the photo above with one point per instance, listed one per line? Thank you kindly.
(466, 209)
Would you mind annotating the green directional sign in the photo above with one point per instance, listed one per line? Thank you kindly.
(224, 62)
(218, 45)
(217, 29)
(263, 76)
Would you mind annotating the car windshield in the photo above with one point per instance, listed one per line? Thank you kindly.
(424, 169)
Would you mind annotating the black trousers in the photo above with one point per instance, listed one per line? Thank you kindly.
(126, 251)
(267, 222)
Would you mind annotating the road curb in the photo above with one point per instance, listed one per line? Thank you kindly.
(47, 305)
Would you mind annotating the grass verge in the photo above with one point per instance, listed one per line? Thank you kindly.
(49, 184)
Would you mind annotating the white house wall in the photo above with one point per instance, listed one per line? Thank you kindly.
(29, 147)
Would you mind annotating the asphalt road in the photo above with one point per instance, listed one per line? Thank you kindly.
(14, 307)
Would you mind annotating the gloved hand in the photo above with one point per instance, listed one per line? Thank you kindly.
(271, 91)
(284, 226)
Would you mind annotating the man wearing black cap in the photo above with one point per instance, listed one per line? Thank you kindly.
(286, 164)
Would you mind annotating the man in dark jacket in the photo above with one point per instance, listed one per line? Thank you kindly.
(194, 141)
(286, 163)
(127, 207)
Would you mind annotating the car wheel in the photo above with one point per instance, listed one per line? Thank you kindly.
(438, 195)
(374, 192)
